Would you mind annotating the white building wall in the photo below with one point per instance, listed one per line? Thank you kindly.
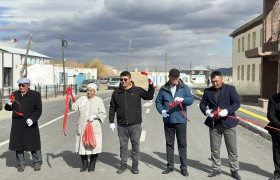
(16, 69)
(246, 87)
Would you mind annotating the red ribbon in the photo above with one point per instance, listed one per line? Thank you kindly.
(13, 99)
(244, 120)
(146, 74)
(68, 91)
(173, 104)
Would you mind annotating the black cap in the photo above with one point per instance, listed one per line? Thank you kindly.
(174, 72)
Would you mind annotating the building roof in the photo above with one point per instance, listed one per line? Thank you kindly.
(22, 52)
(200, 69)
(257, 21)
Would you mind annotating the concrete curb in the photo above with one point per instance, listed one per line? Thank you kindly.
(256, 129)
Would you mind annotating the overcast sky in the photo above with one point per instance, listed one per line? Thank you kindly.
(196, 30)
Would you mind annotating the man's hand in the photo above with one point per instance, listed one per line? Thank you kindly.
(164, 113)
(150, 79)
(223, 113)
(9, 102)
(92, 117)
(29, 122)
(209, 113)
(178, 99)
(112, 126)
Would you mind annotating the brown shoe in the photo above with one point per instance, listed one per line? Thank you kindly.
(37, 167)
(20, 168)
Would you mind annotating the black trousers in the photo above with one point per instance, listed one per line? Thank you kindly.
(180, 130)
(276, 153)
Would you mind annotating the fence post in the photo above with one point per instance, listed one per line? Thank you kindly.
(46, 92)
(9, 91)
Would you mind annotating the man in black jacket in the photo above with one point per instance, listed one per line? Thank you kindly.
(273, 115)
(126, 102)
(27, 109)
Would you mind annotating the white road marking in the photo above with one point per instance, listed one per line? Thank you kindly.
(147, 104)
(147, 110)
(143, 136)
(48, 123)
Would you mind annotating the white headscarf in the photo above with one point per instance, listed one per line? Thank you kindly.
(92, 85)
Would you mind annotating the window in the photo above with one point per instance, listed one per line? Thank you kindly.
(248, 72)
(253, 72)
(238, 45)
(243, 48)
(254, 41)
(261, 37)
(242, 72)
(248, 41)
(7, 77)
(238, 73)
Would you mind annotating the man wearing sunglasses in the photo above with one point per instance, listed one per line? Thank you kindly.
(26, 105)
(126, 102)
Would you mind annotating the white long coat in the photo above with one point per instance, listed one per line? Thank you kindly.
(89, 107)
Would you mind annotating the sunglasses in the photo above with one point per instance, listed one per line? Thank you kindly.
(124, 79)
(22, 85)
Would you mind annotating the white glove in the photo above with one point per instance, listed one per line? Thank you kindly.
(150, 79)
(9, 102)
(92, 117)
(223, 113)
(112, 126)
(209, 113)
(178, 99)
(29, 122)
(164, 113)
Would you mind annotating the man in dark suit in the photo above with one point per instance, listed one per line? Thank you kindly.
(223, 98)
(273, 115)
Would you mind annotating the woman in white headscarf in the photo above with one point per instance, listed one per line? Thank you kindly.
(91, 110)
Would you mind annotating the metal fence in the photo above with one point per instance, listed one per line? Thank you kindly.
(46, 91)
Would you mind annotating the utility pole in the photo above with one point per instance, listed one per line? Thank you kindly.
(190, 70)
(165, 67)
(128, 55)
(23, 72)
(63, 63)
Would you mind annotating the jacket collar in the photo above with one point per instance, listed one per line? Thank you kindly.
(167, 86)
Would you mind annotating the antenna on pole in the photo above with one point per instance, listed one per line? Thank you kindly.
(128, 55)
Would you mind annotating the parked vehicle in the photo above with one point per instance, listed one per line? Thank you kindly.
(83, 85)
(103, 80)
(114, 83)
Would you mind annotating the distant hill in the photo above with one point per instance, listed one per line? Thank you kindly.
(225, 71)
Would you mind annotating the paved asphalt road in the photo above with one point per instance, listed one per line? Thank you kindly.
(59, 161)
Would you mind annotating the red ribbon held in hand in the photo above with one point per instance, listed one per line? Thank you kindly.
(13, 99)
(68, 91)
(174, 104)
(146, 74)
(244, 120)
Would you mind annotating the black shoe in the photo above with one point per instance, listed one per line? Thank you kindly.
(235, 175)
(214, 173)
(84, 163)
(91, 166)
(168, 170)
(275, 177)
(122, 168)
(135, 169)
(184, 172)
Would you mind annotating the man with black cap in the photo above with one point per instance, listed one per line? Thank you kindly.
(27, 109)
(172, 101)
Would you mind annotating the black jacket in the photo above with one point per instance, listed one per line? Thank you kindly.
(127, 104)
(23, 137)
(273, 114)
